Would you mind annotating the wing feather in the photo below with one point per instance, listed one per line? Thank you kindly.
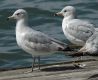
(80, 29)
(39, 41)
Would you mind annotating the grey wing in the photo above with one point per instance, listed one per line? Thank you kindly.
(93, 39)
(92, 44)
(80, 29)
(96, 29)
(41, 42)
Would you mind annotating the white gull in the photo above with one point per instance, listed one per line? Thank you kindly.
(91, 45)
(77, 31)
(90, 48)
(34, 42)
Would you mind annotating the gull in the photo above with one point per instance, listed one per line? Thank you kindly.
(34, 42)
(77, 31)
(91, 45)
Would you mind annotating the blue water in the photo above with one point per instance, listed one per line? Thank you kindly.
(41, 19)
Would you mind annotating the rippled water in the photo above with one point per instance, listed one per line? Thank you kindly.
(42, 19)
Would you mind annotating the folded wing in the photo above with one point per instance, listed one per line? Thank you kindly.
(41, 42)
(80, 29)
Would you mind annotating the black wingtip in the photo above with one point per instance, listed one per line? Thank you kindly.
(55, 14)
(65, 49)
(68, 49)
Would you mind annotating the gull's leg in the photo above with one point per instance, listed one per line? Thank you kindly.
(83, 64)
(80, 65)
(79, 58)
(33, 64)
(75, 63)
(39, 62)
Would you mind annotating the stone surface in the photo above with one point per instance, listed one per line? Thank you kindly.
(58, 71)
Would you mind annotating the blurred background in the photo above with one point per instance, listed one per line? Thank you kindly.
(40, 18)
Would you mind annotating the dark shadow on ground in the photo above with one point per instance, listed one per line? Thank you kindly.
(62, 68)
(93, 77)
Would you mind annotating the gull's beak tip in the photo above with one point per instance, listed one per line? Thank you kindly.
(8, 19)
(58, 14)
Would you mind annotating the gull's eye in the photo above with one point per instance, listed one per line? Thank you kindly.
(18, 14)
(65, 11)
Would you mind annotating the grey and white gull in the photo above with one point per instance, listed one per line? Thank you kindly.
(77, 31)
(90, 48)
(34, 42)
(91, 45)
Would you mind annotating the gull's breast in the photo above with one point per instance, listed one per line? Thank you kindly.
(20, 38)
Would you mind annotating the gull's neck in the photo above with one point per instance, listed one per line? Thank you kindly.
(69, 17)
(21, 24)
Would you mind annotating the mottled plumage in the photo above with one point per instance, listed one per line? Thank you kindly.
(91, 46)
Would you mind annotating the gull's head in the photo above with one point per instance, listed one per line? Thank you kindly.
(66, 11)
(19, 14)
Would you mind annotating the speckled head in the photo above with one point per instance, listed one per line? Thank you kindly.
(19, 14)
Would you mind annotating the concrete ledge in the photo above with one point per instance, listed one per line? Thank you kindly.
(58, 71)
